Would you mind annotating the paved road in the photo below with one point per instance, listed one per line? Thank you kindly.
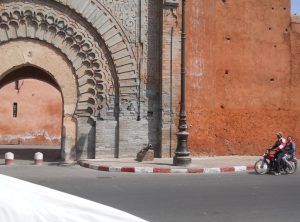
(226, 197)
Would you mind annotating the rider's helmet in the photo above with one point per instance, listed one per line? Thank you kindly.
(279, 135)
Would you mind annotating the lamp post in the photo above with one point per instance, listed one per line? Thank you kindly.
(182, 153)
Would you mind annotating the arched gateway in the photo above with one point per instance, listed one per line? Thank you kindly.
(89, 59)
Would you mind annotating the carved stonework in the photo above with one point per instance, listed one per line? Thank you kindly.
(84, 51)
(103, 17)
(126, 12)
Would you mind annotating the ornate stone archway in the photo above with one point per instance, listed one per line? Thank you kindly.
(93, 73)
(101, 58)
(102, 64)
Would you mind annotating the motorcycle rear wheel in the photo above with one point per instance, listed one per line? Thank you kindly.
(261, 167)
(290, 169)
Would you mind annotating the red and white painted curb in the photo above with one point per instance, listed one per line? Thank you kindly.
(166, 169)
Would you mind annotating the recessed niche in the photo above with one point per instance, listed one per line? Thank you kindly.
(222, 107)
(272, 80)
(226, 71)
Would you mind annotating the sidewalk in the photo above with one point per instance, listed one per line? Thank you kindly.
(218, 164)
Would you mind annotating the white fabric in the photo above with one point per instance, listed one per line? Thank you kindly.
(283, 143)
(21, 201)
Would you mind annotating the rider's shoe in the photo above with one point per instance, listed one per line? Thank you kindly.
(277, 174)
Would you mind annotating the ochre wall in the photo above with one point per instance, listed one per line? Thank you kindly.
(240, 88)
(39, 116)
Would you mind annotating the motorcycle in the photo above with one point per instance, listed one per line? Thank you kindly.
(267, 164)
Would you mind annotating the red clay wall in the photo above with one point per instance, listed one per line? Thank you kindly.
(39, 116)
(240, 89)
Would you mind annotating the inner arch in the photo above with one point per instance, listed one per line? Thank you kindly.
(31, 114)
(51, 66)
(28, 72)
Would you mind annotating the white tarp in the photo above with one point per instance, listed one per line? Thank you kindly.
(21, 201)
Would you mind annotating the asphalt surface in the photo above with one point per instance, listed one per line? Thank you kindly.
(226, 197)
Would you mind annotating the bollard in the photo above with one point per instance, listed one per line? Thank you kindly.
(38, 158)
(9, 158)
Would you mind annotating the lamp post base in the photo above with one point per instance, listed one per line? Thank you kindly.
(181, 161)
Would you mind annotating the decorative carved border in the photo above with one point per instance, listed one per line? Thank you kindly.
(116, 41)
(126, 12)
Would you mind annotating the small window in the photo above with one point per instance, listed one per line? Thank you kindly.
(15, 110)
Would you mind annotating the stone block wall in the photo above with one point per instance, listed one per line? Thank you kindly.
(86, 138)
(107, 143)
(170, 76)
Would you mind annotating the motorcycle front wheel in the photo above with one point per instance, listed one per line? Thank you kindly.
(261, 166)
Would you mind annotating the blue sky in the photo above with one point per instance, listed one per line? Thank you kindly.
(295, 7)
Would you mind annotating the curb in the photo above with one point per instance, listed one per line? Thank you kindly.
(199, 170)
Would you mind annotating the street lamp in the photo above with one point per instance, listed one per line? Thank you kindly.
(182, 153)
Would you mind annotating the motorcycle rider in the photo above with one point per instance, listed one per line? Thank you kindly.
(279, 151)
(290, 146)
(290, 152)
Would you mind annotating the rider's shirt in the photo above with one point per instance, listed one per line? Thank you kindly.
(280, 143)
